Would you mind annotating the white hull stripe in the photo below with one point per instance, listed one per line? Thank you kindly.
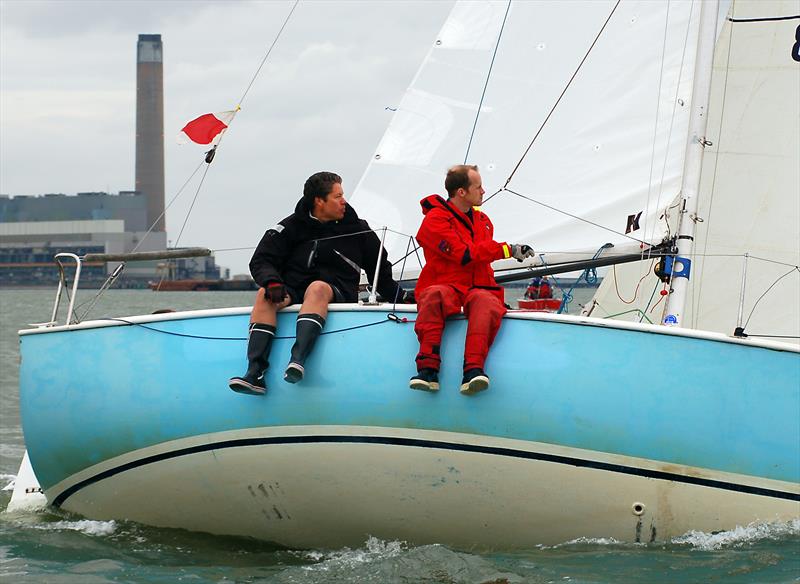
(440, 445)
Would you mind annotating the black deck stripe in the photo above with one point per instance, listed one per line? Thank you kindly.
(413, 442)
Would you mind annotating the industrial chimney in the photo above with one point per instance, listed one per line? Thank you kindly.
(150, 126)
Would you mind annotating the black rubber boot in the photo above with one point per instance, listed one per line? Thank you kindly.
(309, 327)
(258, 345)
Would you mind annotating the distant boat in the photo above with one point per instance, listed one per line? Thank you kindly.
(592, 427)
(202, 285)
(539, 304)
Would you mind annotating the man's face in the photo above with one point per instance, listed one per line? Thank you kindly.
(332, 208)
(475, 191)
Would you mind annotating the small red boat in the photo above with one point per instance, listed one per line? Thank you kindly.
(540, 304)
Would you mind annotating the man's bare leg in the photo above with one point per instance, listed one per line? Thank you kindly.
(263, 320)
(310, 322)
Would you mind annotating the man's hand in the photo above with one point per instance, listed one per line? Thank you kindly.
(275, 292)
(520, 251)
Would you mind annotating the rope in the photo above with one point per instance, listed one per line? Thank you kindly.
(391, 317)
(486, 83)
(641, 314)
(636, 291)
(588, 274)
(649, 300)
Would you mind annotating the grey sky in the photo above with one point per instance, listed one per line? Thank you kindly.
(67, 97)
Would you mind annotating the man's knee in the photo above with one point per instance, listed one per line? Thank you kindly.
(440, 298)
(483, 301)
(319, 291)
(262, 305)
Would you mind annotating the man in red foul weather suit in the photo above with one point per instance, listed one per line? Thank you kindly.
(457, 240)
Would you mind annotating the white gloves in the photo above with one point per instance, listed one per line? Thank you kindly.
(520, 251)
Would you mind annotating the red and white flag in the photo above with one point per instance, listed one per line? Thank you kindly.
(207, 129)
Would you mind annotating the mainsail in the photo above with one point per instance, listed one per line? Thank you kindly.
(607, 160)
(749, 199)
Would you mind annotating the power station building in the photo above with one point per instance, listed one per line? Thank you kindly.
(34, 228)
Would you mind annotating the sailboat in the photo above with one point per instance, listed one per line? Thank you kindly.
(583, 118)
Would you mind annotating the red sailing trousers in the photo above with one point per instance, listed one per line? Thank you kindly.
(483, 310)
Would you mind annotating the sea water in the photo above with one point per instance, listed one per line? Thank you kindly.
(55, 546)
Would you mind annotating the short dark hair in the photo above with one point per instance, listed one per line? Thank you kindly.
(318, 186)
(458, 178)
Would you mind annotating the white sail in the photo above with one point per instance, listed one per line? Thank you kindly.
(612, 148)
(749, 199)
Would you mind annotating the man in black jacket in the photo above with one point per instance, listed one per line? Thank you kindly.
(314, 256)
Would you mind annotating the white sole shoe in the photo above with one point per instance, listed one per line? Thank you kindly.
(475, 385)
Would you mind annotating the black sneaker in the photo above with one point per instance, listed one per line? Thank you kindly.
(475, 380)
(294, 373)
(425, 380)
(248, 386)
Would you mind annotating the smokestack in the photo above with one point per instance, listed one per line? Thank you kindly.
(150, 126)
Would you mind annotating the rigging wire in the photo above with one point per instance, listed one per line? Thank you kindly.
(795, 269)
(194, 200)
(208, 157)
(164, 212)
(672, 126)
(555, 105)
(655, 125)
(614, 231)
(272, 46)
(698, 292)
(486, 83)
(114, 276)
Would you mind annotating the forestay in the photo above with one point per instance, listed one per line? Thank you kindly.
(613, 147)
(749, 199)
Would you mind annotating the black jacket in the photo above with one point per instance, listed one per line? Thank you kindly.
(301, 249)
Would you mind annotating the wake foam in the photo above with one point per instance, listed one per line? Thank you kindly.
(374, 550)
(85, 526)
(740, 536)
(9, 480)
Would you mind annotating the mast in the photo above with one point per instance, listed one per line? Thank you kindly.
(681, 264)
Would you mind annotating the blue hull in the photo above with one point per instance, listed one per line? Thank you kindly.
(725, 410)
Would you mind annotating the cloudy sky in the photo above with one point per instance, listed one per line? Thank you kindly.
(67, 99)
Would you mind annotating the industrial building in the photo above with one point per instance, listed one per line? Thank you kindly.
(35, 228)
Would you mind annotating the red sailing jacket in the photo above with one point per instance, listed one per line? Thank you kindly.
(458, 249)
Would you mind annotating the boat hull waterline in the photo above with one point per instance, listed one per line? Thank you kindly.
(567, 442)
